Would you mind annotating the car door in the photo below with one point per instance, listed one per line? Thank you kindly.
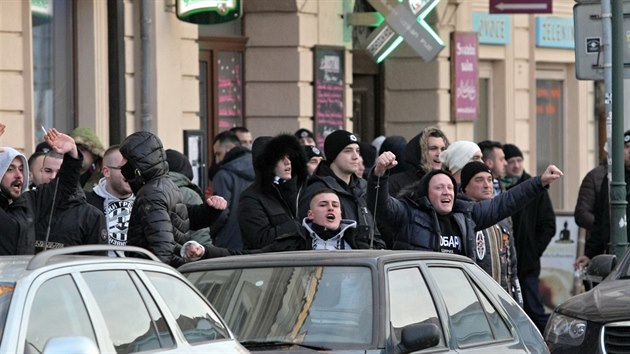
(475, 323)
(409, 301)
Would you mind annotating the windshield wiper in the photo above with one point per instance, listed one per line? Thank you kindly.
(277, 343)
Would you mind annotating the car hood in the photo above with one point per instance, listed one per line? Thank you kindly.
(607, 302)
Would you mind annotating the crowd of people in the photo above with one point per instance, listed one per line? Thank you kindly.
(281, 193)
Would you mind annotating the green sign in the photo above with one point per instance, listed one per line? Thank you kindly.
(41, 8)
(208, 12)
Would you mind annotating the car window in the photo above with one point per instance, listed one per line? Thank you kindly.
(57, 311)
(134, 322)
(327, 306)
(410, 300)
(6, 294)
(499, 327)
(468, 318)
(195, 318)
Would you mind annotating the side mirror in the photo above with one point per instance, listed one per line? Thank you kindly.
(418, 336)
(70, 345)
(600, 266)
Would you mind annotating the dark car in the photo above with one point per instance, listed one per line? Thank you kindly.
(364, 301)
(597, 321)
(63, 301)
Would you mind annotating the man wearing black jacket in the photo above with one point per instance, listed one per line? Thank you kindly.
(338, 173)
(534, 226)
(56, 214)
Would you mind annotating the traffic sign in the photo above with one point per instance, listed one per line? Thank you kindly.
(520, 6)
(589, 51)
(404, 20)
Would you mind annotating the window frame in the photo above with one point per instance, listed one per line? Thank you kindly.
(477, 286)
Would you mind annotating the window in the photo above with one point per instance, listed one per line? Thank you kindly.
(550, 130)
(410, 300)
(134, 322)
(57, 311)
(195, 318)
(469, 319)
(328, 306)
(53, 63)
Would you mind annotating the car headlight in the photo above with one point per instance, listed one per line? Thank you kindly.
(565, 330)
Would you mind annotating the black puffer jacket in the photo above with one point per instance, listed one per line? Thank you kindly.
(159, 219)
(268, 209)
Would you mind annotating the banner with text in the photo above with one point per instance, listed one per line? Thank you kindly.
(464, 75)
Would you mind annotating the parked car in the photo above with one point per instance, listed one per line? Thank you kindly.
(61, 302)
(368, 301)
(597, 321)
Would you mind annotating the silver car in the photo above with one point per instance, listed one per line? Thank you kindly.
(364, 301)
(61, 302)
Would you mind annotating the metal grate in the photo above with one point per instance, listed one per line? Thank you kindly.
(616, 338)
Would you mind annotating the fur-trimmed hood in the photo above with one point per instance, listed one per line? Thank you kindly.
(272, 152)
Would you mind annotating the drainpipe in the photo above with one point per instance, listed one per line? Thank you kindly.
(145, 59)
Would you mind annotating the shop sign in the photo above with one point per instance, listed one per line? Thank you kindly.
(492, 29)
(208, 12)
(554, 32)
(464, 75)
(41, 8)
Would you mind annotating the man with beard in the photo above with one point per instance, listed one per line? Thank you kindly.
(56, 214)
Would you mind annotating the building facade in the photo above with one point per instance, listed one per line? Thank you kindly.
(126, 65)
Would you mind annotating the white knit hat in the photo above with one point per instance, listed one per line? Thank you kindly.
(458, 154)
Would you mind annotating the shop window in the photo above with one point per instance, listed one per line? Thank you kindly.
(550, 132)
(221, 86)
(53, 63)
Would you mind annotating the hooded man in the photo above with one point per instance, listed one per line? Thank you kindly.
(430, 217)
(56, 214)
(159, 219)
(15, 215)
(92, 149)
(422, 154)
(268, 208)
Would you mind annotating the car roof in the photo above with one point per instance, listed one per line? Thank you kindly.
(13, 268)
(329, 258)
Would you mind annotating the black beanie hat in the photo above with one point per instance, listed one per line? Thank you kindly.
(311, 151)
(470, 170)
(178, 162)
(423, 185)
(304, 133)
(511, 150)
(43, 147)
(626, 137)
(337, 141)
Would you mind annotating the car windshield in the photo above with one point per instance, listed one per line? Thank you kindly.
(6, 293)
(329, 307)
